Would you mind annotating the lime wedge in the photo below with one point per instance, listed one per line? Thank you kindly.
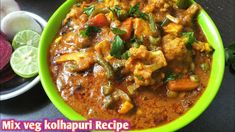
(26, 37)
(24, 61)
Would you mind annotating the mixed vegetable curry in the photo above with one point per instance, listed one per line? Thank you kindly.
(145, 61)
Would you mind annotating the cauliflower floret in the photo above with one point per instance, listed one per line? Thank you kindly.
(143, 63)
(174, 47)
(136, 55)
(173, 28)
(142, 75)
(159, 5)
(142, 28)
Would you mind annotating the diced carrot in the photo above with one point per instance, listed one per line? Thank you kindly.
(127, 26)
(182, 85)
(99, 20)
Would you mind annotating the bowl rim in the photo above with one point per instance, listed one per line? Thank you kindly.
(36, 79)
(212, 34)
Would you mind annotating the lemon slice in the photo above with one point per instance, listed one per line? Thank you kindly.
(24, 61)
(26, 37)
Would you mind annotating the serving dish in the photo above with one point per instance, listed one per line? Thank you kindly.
(17, 85)
(216, 76)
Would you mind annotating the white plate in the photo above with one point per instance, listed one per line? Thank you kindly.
(13, 92)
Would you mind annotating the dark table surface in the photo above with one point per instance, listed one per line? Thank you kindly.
(219, 117)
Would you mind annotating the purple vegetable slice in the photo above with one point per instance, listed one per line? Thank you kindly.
(5, 52)
(6, 74)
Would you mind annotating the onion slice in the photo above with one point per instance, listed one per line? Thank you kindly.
(8, 6)
(18, 21)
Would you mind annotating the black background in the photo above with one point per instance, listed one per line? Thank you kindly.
(219, 117)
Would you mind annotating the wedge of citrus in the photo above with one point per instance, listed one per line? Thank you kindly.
(24, 61)
(26, 37)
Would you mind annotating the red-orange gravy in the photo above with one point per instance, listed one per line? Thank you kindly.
(147, 62)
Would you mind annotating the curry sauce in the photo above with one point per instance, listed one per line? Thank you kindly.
(144, 61)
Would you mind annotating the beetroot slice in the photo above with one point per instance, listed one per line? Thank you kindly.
(5, 51)
(6, 74)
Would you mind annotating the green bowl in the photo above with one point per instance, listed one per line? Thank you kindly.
(215, 80)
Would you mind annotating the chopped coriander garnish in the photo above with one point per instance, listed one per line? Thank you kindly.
(118, 31)
(117, 47)
(191, 38)
(135, 11)
(121, 14)
(126, 55)
(136, 42)
(89, 10)
(170, 76)
(89, 30)
(135, 39)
